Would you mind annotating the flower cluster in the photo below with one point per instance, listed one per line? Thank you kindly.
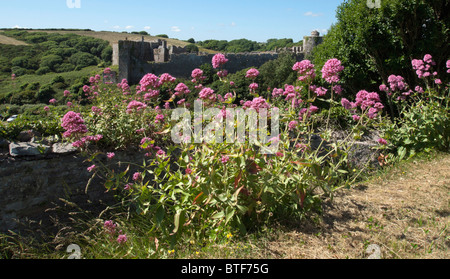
(219, 60)
(256, 104)
(369, 101)
(73, 123)
(252, 73)
(423, 67)
(135, 105)
(331, 70)
(305, 70)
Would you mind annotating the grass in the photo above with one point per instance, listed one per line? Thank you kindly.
(114, 37)
(11, 41)
(402, 209)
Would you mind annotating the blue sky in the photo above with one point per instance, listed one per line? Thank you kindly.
(256, 20)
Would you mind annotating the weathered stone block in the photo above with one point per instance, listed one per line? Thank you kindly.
(27, 149)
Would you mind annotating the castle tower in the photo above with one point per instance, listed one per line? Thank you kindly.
(310, 42)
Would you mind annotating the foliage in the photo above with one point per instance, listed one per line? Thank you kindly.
(374, 43)
(245, 45)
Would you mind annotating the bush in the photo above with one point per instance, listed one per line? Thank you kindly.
(45, 94)
(82, 60)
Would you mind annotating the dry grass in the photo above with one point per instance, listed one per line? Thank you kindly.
(405, 212)
(10, 41)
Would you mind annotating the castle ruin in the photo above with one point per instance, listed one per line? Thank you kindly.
(137, 58)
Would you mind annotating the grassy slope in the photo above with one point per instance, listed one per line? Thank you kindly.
(10, 41)
(114, 37)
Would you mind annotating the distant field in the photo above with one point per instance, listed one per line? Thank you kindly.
(114, 37)
(10, 41)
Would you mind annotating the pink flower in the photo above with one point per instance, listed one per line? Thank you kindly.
(206, 93)
(96, 110)
(137, 176)
(346, 104)
(383, 88)
(188, 171)
(13, 76)
(224, 159)
(110, 227)
(277, 92)
(292, 125)
(159, 118)
(91, 168)
(69, 104)
(448, 66)
(438, 81)
(182, 88)
(305, 70)
(197, 74)
(320, 91)
(73, 124)
(135, 105)
(337, 89)
(396, 82)
(254, 86)
(382, 141)
(66, 93)
(52, 101)
(222, 74)
(160, 153)
(128, 186)
(279, 154)
(149, 81)
(46, 108)
(331, 70)
(107, 71)
(121, 239)
(419, 89)
(167, 105)
(166, 78)
(110, 155)
(219, 60)
(356, 117)
(252, 73)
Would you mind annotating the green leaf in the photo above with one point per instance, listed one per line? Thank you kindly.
(218, 215)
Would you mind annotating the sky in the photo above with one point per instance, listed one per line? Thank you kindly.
(257, 20)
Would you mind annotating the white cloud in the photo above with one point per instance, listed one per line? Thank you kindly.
(116, 27)
(147, 28)
(312, 14)
(175, 29)
(129, 27)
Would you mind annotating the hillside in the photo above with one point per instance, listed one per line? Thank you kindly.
(10, 41)
(114, 37)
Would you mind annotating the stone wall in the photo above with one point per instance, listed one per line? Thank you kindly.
(34, 184)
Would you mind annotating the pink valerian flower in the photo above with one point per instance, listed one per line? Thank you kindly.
(13, 76)
(331, 70)
(135, 105)
(419, 89)
(182, 88)
(159, 118)
(73, 124)
(222, 74)
(46, 108)
(166, 105)
(279, 154)
(66, 93)
(206, 93)
(438, 81)
(224, 159)
(188, 171)
(181, 102)
(396, 83)
(257, 104)
(161, 153)
(305, 70)
(128, 186)
(137, 176)
(110, 227)
(229, 96)
(107, 71)
(149, 81)
(52, 101)
(69, 104)
(292, 125)
(110, 155)
(197, 75)
(91, 168)
(356, 117)
(307, 112)
(121, 239)
(219, 60)
(166, 78)
(365, 99)
(277, 92)
(86, 89)
(346, 104)
(337, 89)
(254, 86)
(448, 66)
(382, 141)
(252, 73)
(320, 91)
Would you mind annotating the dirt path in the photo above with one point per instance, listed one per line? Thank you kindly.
(404, 213)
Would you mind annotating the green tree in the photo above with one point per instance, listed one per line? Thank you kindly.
(375, 43)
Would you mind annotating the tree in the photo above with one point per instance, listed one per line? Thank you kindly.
(374, 43)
